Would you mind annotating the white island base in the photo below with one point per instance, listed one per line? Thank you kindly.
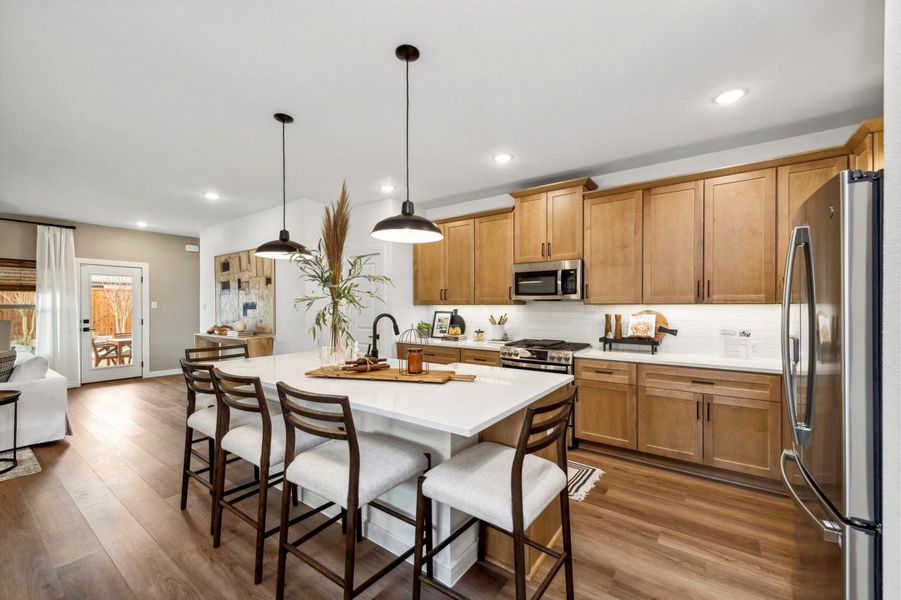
(442, 418)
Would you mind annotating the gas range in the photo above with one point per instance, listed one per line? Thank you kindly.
(540, 355)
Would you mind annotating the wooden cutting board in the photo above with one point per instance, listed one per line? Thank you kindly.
(392, 374)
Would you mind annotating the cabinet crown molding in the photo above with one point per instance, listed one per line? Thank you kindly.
(585, 182)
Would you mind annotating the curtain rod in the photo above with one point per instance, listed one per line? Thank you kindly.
(36, 223)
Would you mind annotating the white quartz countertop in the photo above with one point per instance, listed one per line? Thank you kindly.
(673, 359)
(457, 407)
(468, 343)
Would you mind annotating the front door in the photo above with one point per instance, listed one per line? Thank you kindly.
(110, 322)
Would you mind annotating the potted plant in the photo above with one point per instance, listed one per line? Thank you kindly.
(337, 284)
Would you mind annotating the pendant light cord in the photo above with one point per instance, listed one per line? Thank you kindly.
(408, 129)
(284, 195)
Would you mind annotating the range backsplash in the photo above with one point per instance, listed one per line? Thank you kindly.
(703, 329)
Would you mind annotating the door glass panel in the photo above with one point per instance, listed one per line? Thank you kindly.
(112, 303)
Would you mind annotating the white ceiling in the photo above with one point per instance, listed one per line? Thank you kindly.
(114, 112)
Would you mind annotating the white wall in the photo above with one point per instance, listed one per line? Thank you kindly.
(891, 360)
(303, 220)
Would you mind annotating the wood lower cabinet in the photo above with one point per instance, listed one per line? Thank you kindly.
(494, 259)
(489, 358)
(740, 238)
(438, 355)
(673, 254)
(606, 413)
(670, 424)
(743, 435)
(613, 233)
(795, 183)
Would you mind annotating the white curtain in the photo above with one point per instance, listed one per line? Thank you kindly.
(56, 320)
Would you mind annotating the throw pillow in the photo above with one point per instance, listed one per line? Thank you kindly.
(29, 370)
(7, 361)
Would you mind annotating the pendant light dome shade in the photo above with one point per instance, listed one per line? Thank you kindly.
(407, 227)
(283, 247)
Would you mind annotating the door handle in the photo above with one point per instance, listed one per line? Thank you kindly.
(832, 531)
(698, 289)
(791, 345)
(548, 249)
(542, 249)
(509, 292)
(698, 410)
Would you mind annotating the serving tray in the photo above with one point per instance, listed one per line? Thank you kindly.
(392, 374)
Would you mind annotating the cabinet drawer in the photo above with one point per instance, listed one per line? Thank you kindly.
(480, 357)
(607, 371)
(432, 354)
(754, 386)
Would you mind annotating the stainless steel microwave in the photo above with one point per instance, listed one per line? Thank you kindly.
(554, 280)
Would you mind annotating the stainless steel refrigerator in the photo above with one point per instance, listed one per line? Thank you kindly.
(831, 327)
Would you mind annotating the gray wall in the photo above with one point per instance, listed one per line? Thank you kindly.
(174, 276)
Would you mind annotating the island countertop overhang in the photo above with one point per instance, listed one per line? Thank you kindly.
(456, 407)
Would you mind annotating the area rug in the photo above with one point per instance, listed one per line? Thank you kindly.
(28, 464)
(582, 479)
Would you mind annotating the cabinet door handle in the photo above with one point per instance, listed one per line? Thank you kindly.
(542, 249)
(698, 410)
(708, 288)
(708, 412)
(509, 292)
(702, 382)
(698, 289)
(548, 249)
(600, 372)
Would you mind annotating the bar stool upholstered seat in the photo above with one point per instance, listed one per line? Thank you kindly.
(477, 482)
(204, 420)
(385, 463)
(246, 441)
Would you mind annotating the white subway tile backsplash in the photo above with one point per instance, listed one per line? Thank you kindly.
(700, 326)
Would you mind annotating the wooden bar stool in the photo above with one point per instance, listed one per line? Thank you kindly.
(350, 470)
(506, 489)
(202, 418)
(262, 443)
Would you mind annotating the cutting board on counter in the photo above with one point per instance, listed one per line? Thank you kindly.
(392, 374)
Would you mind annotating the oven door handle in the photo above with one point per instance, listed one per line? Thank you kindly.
(519, 364)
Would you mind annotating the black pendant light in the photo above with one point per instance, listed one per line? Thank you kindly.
(283, 247)
(407, 227)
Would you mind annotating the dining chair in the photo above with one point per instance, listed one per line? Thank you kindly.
(103, 351)
(506, 489)
(350, 470)
(262, 443)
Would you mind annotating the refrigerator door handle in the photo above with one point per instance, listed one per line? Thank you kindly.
(801, 431)
(832, 531)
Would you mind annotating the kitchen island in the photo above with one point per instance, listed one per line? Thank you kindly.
(444, 419)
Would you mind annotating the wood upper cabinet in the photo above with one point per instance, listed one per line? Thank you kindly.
(459, 262)
(795, 183)
(670, 424)
(613, 232)
(494, 259)
(743, 435)
(878, 151)
(673, 255)
(547, 221)
(740, 237)
(606, 413)
(428, 272)
(862, 156)
(564, 224)
(530, 228)
(444, 271)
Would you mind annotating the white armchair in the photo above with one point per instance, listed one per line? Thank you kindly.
(42, 405)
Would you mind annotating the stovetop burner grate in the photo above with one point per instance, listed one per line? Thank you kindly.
(548, 344)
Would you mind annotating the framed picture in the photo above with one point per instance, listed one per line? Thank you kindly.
(245, 291)
(441, 323)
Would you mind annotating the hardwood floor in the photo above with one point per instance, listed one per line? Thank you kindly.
(102, 521)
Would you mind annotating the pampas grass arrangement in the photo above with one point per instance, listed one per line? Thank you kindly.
(338, 283)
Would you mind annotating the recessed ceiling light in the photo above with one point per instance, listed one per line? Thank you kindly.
(730, 96)
(212, 196)
(503, 158)
(141, 224)
(387, 188)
